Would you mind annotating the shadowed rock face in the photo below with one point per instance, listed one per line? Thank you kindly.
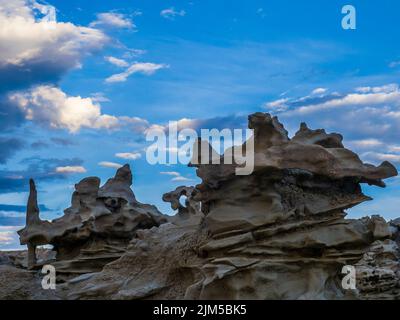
(278, 233)
(96, 228)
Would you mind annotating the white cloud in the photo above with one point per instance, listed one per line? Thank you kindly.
(171, 13)
(27, 37)
(135, 124)
(394, 148)
(277, 105)
(116, 61)
(368, 118)
(181, 179)
(71, 169)
(113, 20)
(365, 96)
(9, 238)
(171, 173)
(319, 91)
(377, 156)
(108, 164)
(6, 237)
(129, 155)
(53, 108)
(394, 64)
(99, 97)
(366, 143)
(146, 68)
(177, 177)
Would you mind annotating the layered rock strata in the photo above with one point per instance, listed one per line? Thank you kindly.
(278, 233)
(95, 230)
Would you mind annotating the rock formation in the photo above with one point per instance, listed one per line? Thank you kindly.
(97, 227)
(278, 233)
(190, 212)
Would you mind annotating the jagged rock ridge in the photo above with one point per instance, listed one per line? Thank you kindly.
(279, 233)
(96, 229)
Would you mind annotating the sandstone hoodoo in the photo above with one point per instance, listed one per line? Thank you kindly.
(278, 233)
(96, 229)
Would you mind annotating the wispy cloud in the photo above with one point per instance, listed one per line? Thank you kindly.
(9, 237)
(170, 173)
(177, 177)
(366, 143)
(108, 164)
(112, 20)
(319, 91)
(71, 169)
(394, 64)
(129, 155)
(171, 13)
(378, 156)
(368, 117)
(146, 68)
(116, 61)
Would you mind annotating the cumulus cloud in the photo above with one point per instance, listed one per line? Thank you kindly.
(116, 61)
(52, 107)
(146, 68)
(112, 20)
(129, 155)
(108, 164)
(71, 169)
(171, 13)
(35, 48)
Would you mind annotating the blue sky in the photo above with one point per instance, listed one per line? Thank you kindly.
(80, 81)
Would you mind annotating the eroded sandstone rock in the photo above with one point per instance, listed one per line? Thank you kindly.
(278, 233)
(96, 229)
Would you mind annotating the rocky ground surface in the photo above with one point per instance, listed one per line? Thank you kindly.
(278, 233)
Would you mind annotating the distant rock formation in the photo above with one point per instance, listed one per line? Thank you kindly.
(97, 227)
(278, 233)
